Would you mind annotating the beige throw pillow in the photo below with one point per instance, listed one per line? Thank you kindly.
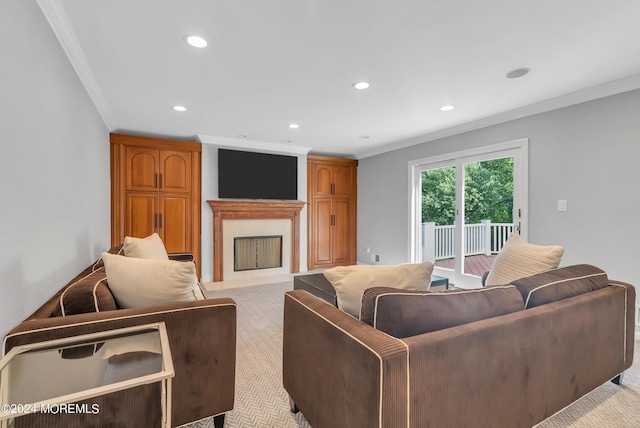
(350, 282)
(140, 282)
(150, 247)
(518, 259)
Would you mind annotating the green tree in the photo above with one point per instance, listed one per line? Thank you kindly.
(488, 193)
(439, 196)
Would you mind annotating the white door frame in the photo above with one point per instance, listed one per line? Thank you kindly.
(518, 149)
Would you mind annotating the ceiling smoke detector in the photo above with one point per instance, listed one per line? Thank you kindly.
(518, 72)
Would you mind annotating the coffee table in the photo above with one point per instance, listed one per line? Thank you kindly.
(53, 376)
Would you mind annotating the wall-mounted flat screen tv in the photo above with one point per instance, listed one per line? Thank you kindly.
(249, 175)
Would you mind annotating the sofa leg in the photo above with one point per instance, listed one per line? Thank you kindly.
(618, 379)
(218, 421)
(292, 406)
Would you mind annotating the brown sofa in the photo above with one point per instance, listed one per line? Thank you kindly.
(202, 339)
(507, 356)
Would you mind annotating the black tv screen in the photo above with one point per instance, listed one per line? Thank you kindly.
(249, 175)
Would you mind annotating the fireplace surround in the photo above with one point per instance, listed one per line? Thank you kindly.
(254, 210)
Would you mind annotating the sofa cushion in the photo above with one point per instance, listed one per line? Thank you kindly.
(88, 294)
(560, 284)
(403, 314)
(369, 298)
(150, 247)
(350, 282)
(519, 259)
(141, 282)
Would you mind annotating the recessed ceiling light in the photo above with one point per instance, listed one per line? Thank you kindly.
(361, 85)
(294, 126)
(447, 108)
(179, 108)
(196, 41)
(364, 137)
(518, 72)
(242, 136)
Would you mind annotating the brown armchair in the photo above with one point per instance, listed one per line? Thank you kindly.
(202, 339)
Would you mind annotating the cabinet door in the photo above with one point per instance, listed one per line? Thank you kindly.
(175, 224)
(140, 214)
(342, 181)
(342, 231)
(142, 168)
(322, 180)
(175, 171)
(322, 231)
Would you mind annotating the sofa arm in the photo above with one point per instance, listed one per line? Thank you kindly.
(202, 339)
(630, 292)
(182, 257)
(339, 371)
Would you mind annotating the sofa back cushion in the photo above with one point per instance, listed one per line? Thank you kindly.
(89, 294)
(403, 314)
(350, 282)
(560, 284)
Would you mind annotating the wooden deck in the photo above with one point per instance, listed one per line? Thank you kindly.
(474, 265)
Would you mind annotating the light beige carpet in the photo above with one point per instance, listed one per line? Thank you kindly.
(261, 401)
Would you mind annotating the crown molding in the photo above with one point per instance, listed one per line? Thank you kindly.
(236, 144)
(612, 88)
(57, 19)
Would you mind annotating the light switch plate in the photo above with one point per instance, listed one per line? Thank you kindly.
(562, 204)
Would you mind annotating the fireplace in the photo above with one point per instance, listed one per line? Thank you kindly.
(233, 219)
(257, 252)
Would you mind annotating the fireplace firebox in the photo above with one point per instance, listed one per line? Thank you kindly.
(257, 252)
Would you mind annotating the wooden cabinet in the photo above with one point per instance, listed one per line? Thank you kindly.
(332, 192)
(155, 187)
(158, 170)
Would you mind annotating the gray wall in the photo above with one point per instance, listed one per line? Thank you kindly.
(54, 175)
(587, 154)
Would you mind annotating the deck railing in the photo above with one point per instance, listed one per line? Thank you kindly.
(439, 242)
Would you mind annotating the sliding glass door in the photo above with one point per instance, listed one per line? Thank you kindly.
(464, 208)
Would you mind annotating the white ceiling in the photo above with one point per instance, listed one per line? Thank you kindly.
(270, 63)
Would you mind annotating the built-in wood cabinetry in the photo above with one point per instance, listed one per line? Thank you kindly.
(332, 194)
(155, 187)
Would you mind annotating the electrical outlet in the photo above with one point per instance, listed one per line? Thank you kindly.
(638, 316)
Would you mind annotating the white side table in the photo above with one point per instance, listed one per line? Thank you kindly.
(38, 378)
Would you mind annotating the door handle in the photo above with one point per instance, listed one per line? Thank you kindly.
(155, 180)
(160, 221)
(160, 185)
